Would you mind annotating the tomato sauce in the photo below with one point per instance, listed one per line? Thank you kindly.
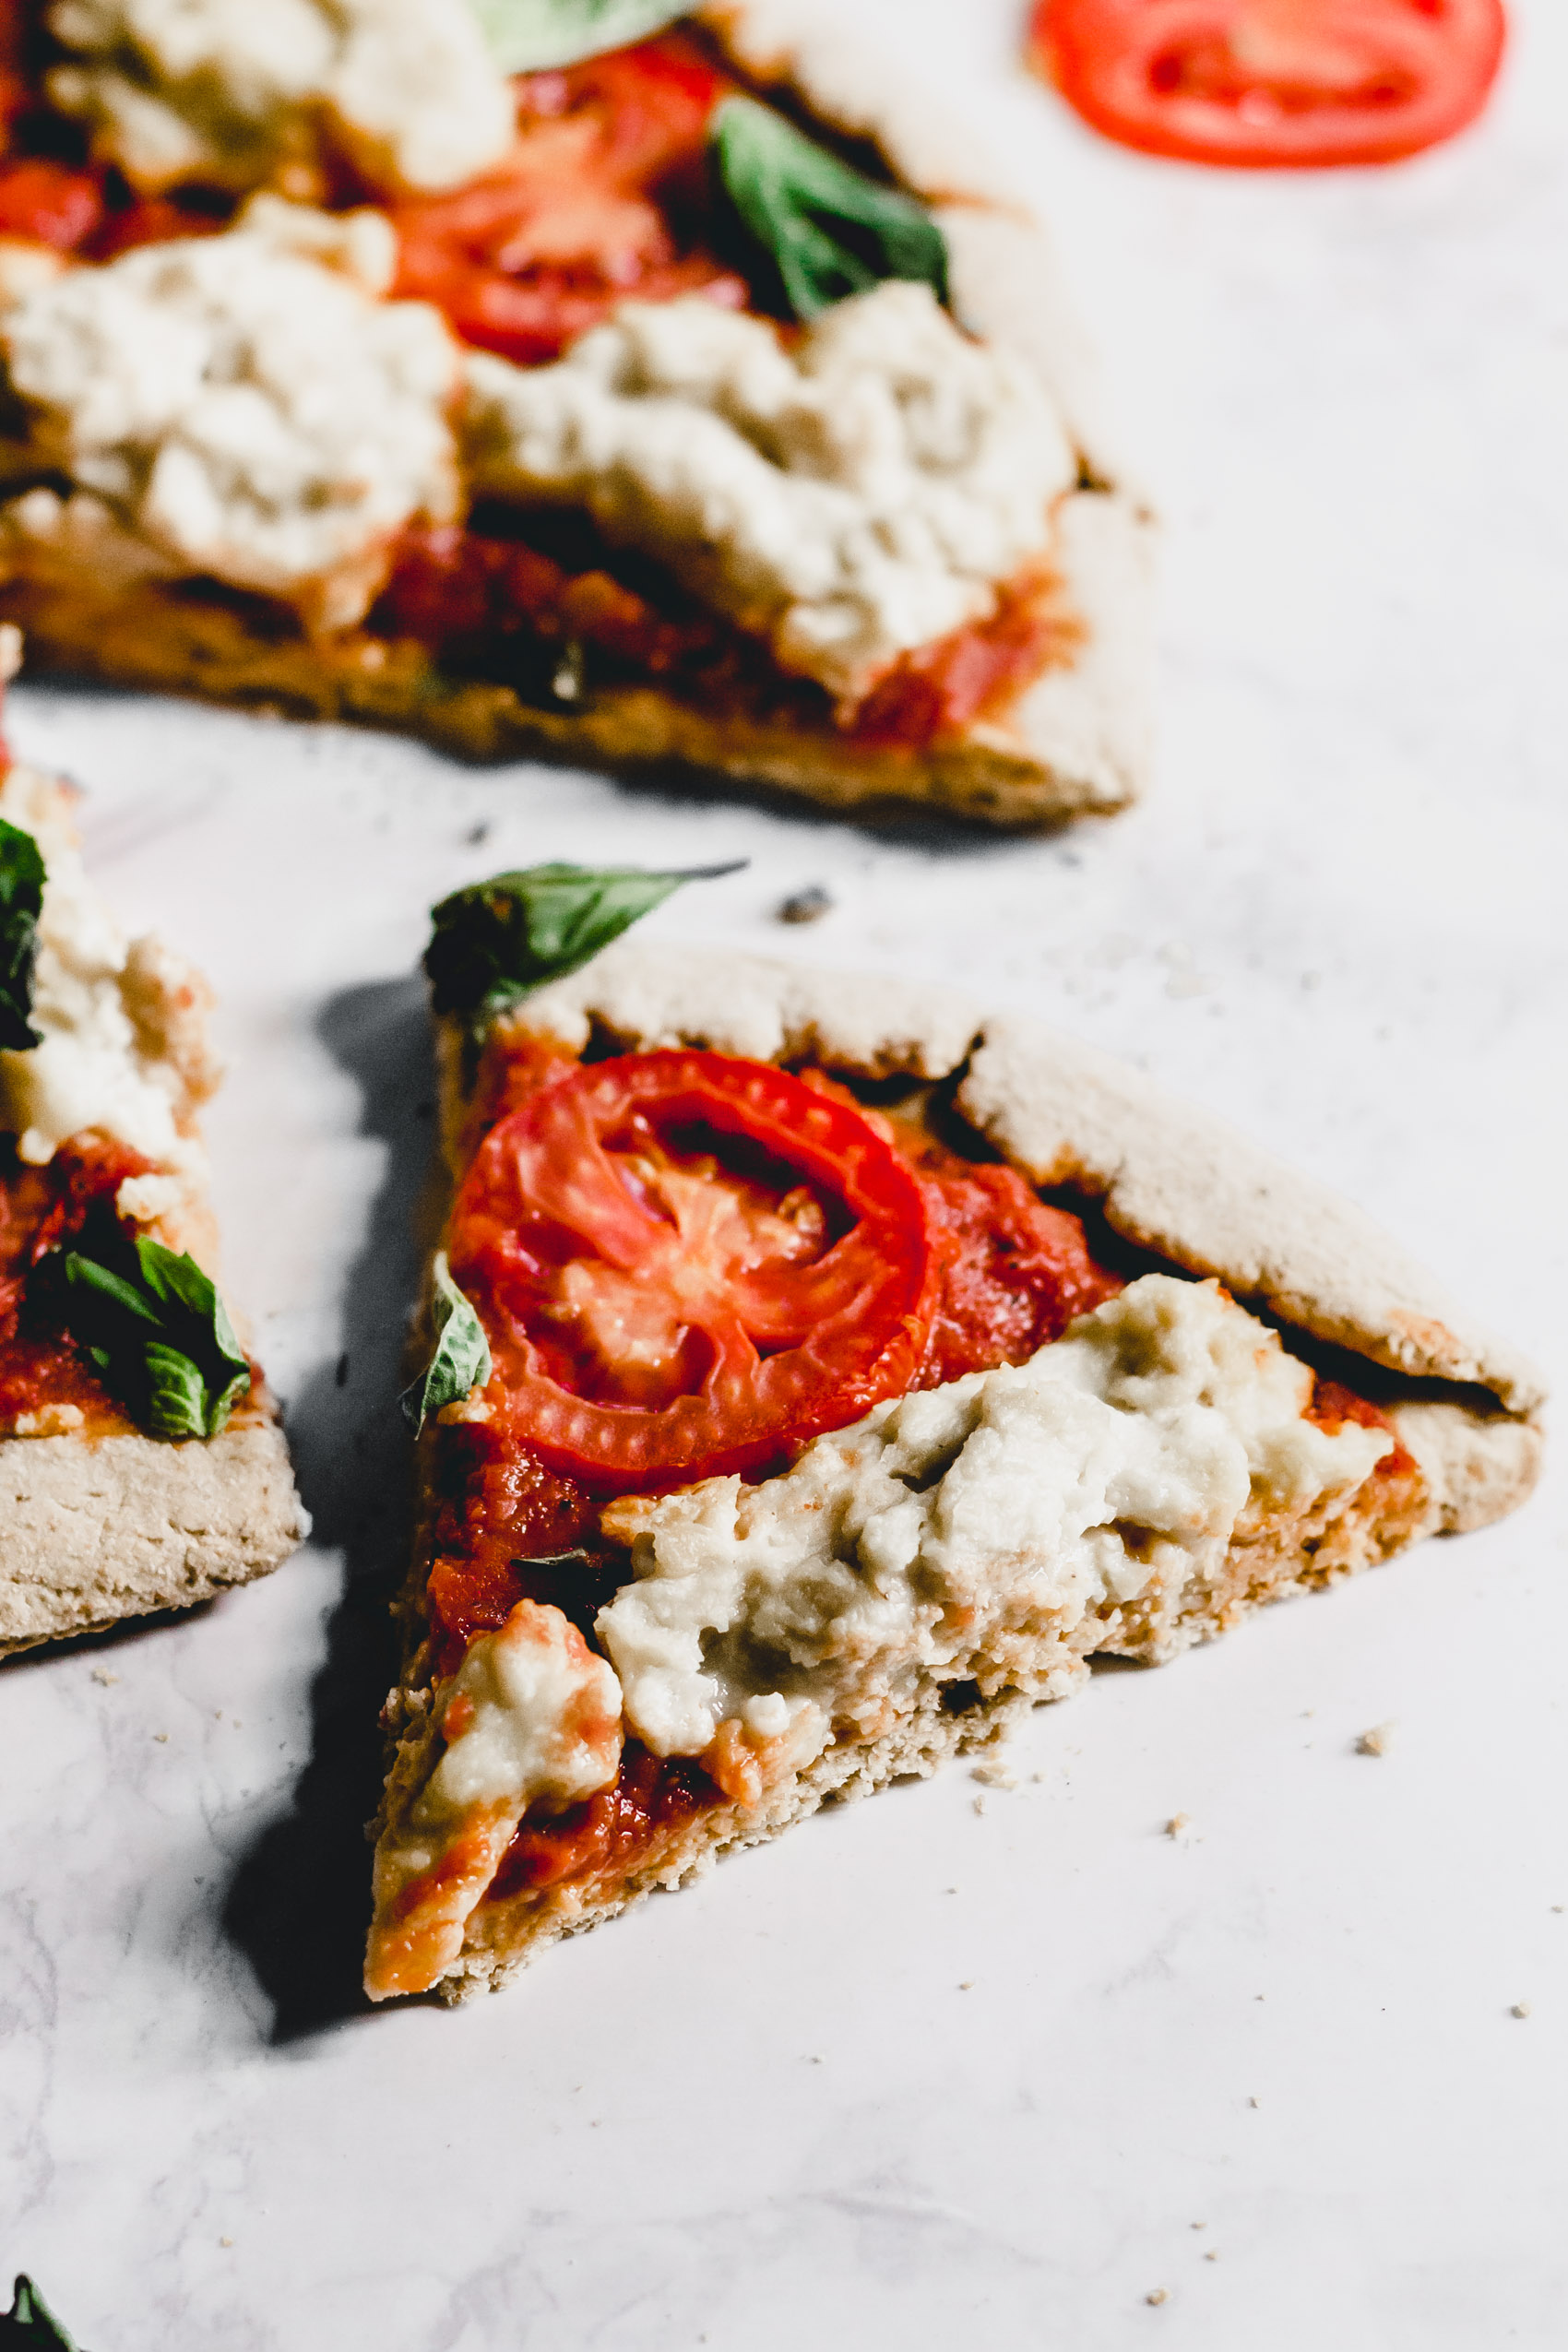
(42, 1210)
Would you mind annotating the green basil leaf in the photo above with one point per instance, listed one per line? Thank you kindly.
(30, 2322)
(156, 1328)
(460, 1361)
(21, 898)
(809, 224)
(497, 941)
(528, 36)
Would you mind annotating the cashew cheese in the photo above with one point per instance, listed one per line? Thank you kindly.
(969, 1530)
(231, 406)
(101, 1061)
(232, 92)
(850, 498)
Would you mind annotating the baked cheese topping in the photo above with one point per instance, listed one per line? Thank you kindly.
(973, 1519)
(531, 1713)
(228, 407)
(229, 93)
(97, 1065)
(851, 499)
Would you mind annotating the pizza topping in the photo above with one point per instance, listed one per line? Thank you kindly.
(526, 35)
(815, 230)
(96, 1065)
(531, 1714)
(1119, 1461)
(686, 1261)
(22, 901)
(848, 500)
(496, 942)
(157, 1332)
(229, 407)
(230, 96)
(460, 1359)
(1273, 82)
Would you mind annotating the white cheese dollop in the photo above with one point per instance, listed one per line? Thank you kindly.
(91, 1068)
(850, 498)
(229, 93)
(531, 1713)
(977, 1522)
(230, 406)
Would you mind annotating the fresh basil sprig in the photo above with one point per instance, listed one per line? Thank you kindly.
(29, 2322)
(159, 1332)
(497, 941)
(817, 227)
(21, 898)
(460, 1361)
(530, 36)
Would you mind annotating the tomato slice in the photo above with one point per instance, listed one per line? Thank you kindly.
(688, 1264)
(1264, 83)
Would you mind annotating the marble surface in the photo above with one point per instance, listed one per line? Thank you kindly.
(954, 2066)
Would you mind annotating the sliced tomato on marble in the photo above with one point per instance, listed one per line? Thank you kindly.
(689, 1264)
(1270, 83)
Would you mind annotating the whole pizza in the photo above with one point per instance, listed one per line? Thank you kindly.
(698, 397)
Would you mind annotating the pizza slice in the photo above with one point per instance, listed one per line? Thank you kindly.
(706, 399)
(820, 1374)
(141, 1462)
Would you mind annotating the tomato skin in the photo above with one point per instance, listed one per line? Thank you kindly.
(48, 202)
(1272, 84)
(652, 1325)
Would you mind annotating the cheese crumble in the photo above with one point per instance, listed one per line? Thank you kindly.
(972, 1529)
(91, 1067)
(229, 406)
(850, 498)
(231, 93)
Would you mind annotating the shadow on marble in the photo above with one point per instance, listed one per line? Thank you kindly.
(300, 1900)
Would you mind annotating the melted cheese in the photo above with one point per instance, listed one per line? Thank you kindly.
(971, 1529)
(90, 1068)
(229, 93)
(850, 498)
(531, 1713)
(228, 407)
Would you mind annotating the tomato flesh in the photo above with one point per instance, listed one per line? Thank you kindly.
(687, 1264)
(42, 1210)
(1271, 83)
(601, 199)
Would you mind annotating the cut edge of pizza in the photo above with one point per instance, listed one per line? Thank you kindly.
(756, 583)
(142, 1464)
(1265, 1396)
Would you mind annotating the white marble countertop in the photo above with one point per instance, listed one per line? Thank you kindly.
(924, 2073)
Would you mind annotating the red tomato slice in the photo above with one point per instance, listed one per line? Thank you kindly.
(1273, 82)
(689, 1265)
(49, 203)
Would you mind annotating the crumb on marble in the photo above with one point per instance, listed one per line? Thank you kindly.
(968, 1984)
(995, 1775)
(1520, 2009)
(101, 1674)
(162, 1737)
(979, 1804)
(225, 2241)
(1177, 1823)
(807, 906)
(1200, 2225)
(1157, 2295)
(1377, 1742)
(1254, 2102)
(1212, 2255)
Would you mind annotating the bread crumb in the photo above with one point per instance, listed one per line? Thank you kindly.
(979, 1804)
(1212, 2255)
(1254, 2102)
(101, 1674)
(162, 1737)
(807, 906)
(1556, 1907)
(1157, 2295)
(1177, 1823)
(1200, 2225)
(1520, 2009)
(225, 2241)
(968, 1984)
(1376, 1741)
(995, 1775)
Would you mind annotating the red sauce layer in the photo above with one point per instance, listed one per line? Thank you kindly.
(43, 1210)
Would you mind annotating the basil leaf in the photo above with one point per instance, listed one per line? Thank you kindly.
(30, 2322)
(527, 36)
(21, 898)
(461, 1357)
(496, 942)
(812, 225)
(156, 1328)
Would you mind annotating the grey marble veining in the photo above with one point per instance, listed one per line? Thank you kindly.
(924, 2072)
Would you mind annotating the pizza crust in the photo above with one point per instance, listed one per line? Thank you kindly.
(1174, 1179)
(1076, 743)
(93, 1530)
